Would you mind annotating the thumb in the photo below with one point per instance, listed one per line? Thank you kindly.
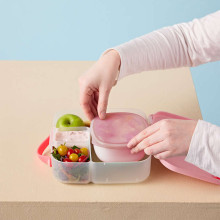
(103, 102)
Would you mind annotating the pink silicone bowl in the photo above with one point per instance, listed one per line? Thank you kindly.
(117, 155)
(110, 136)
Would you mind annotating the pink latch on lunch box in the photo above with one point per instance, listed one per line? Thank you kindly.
(40, 151)
(178, 164)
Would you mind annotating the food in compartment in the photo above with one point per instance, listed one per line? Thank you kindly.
(82, 158)
(76, 151)
(69, 152)
(66, 160)
(69, 120)
(87, 123)
(74, 157)
(69, 173)
(84, 151)
(62, 150)
(72, 136)
(71, 169)
(74, 154)
(70, 163)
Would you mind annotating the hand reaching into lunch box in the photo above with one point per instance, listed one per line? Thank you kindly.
(166, 138)
(96, 84)
(181, 45)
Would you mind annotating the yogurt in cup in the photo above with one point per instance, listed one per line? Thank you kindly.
(110, 136)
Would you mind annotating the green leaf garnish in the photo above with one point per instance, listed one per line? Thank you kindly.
(56, 156)
(75, 147)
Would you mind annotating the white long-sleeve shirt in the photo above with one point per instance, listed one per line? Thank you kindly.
(186, 44)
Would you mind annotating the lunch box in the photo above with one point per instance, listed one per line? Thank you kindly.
(110, 172)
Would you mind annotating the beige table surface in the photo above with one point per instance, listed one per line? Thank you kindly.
(32, 92)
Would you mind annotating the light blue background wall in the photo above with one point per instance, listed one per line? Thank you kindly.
(207, 83)
(83, 29)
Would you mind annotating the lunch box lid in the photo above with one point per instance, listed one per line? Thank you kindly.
(117, 129)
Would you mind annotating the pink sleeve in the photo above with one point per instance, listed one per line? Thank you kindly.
(185, 44)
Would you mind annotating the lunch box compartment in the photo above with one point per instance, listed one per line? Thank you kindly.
(95, 170)
(121, 172)
(73, 172)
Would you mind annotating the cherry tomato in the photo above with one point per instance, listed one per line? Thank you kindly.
(84, 151)
(69, 152)
(82, 158)
(76, 151)
(62, 150)
(67, 160)
(73, 157)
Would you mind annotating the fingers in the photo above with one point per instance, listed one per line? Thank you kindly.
(163, 155)
(90, 108)
(103, 102)
(159, 150)
(96, 97)
(143, 134)
(155, 149)
(88, 111)
(86, 96)
(94, 103)
(93, 109)
(152, 140)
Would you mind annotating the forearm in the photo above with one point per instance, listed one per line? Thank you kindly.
(204, 150)
(186, 44)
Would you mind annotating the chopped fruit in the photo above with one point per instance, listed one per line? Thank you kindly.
(69, 152)
(74, 157)
(73, 154)
(67, 160)
(62, 150)
(82, 158)
(84, 151)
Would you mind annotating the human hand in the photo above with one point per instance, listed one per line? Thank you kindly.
(95, 85)
(166, 138)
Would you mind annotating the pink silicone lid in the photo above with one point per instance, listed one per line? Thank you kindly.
(117, 129)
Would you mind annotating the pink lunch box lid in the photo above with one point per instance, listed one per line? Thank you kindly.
(178, 164)
(117, 129)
